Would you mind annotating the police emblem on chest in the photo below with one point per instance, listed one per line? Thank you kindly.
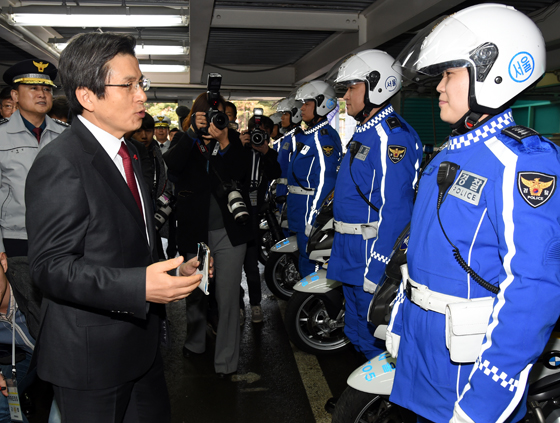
(328, 149)
(468, 187)
(362, 153)
(396, 153)
(536, 188)
(286, 145)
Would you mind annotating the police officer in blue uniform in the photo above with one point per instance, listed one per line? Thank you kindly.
(286, 145)
(480, 296)
(374, 189)
(313, 165)
(27, 131)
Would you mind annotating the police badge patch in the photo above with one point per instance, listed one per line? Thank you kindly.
(536, 188)
(362, 153)
(328, 149)
(396, 153)
(468, 187)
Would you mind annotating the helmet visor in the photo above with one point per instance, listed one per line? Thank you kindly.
(307, 92)
(350, 70)
(444, 44)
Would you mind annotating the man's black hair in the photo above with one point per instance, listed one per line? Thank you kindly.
(83, 63)
(5, 94)
(60, 107)
(230, 104)
(266, 123)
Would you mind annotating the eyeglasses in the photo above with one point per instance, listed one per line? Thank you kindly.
(133, 86)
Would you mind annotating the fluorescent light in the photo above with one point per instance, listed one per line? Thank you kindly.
(160, 50)
(94, 21)
(146, 50)
(163, 68)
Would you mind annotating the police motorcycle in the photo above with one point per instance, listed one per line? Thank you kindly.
(281, 270)
(366, 398)
(314, 316)
(271, 223)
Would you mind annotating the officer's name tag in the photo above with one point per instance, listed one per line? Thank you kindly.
(362, 153)
(468, 187)
(286, 146)
(304, 150)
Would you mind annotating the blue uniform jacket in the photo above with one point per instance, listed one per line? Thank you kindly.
(314, 166)
(502, 212)
(286, 147)
(385, 168)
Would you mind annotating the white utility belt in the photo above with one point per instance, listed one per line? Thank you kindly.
(367, 230)
(466, 320)
(282, 181)
(293, 189)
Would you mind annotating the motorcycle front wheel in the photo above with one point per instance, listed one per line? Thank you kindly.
(355, 406)
(309, 326)
(265, 244)
(281, 273)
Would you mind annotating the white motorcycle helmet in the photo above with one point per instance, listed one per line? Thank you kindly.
(322, 93)
(276, 118)
(377, 69)
(501, 47)
(291, 105)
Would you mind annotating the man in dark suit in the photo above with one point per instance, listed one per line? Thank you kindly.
(92, 246)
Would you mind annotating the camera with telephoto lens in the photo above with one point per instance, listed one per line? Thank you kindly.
(213, 115)
(235, 203)
(258, 135)
(164, 207)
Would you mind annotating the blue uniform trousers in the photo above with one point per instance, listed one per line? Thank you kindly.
(356, 326)
(306, 266)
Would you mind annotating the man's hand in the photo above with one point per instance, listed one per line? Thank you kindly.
(3, 386)
(221, 135)
(4, 261)
(245, 138)
(163, 288)
(188, 268)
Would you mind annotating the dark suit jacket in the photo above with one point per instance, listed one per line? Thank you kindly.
(196, 177)
(88, 254)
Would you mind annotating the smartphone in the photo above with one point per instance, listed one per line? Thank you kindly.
(203, 257)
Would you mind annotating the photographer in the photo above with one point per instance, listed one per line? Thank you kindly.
(210, 165)
(264, 168)
(156, 179)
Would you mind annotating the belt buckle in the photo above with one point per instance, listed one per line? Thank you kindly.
(408, 290)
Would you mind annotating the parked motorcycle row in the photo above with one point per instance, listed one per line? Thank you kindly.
(314, 320)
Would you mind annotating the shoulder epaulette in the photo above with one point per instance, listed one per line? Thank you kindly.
(393, 122)
(519, 132)
(61, 122)
(4, 120)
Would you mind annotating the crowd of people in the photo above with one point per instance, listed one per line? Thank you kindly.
(107, 209)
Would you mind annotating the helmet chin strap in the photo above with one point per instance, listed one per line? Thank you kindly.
(364, 114)
(467, 122)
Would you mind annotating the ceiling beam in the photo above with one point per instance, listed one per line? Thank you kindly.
(28, 42)
(378, 24)
(294, 19)
(381, 22)
(199, 29)
(324, 56)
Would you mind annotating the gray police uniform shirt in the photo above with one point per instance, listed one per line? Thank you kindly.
(18, 149)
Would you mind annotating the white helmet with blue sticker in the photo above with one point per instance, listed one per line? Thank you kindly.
(502, 48)
(321, 92)
(291, 105)
(375, 68)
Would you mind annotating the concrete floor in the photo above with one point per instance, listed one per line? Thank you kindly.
(275, 382)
